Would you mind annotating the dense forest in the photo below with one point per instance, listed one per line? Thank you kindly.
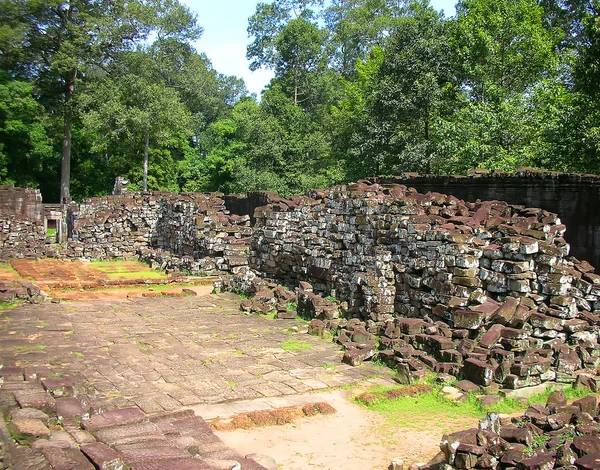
(94, 89)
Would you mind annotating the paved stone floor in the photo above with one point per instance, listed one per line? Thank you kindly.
(164, 354)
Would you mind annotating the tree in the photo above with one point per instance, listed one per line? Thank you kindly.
(55, 42)
(400, 94)
(24, 144)
(129, 105)
(501, 48)
(356, 27)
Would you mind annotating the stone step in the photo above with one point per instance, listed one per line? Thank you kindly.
(114, 418)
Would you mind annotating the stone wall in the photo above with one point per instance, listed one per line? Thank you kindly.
(23, 203)
(574, 197)
(192, 232)
(481, 290)
(22, 230)
(246, 204)
(161, 227)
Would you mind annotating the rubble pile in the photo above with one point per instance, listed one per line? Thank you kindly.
(191, 232)
(482, 290)
(22, 238)
(557, 435)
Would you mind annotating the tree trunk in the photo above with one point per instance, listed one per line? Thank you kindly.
(146, 147)
(65, 167)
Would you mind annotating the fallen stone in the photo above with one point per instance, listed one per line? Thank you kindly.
(264, 460)
(114, 418)
(102, 456)
(27, 430)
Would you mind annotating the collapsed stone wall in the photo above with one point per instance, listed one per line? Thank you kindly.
(191, 232)
(574, 197)
(481, 290)
(21, 223)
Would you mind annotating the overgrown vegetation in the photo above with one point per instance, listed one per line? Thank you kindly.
(414, 406)
(100, 89)
(294, 345)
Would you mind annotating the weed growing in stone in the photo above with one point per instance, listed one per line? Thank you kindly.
(78, 354)
(294, 345)
(231, 383)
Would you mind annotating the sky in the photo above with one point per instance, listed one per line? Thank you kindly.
(225, 38)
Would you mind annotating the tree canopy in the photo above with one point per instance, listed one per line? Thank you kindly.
(94, 89)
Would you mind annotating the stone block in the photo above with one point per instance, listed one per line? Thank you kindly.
(468, 319)
(478, 372)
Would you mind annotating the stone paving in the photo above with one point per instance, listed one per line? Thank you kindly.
(166, 354)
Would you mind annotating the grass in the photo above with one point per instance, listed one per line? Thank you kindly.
(293, 345)
(414, 412)
(231, 383)
(6, 306)
(290, 306)
(78, 354)
(30, 347)
(271, 315)
(127, 270)
(7, 269)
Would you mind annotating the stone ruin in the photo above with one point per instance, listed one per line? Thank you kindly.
(558, 435)
(480, 290)
(483, 290)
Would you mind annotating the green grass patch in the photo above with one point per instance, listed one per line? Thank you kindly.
(271, 315)
(414, 412)
(7, 269)
(127, 270)
(30, 347)
(294, 345)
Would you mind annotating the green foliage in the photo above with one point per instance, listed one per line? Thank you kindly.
(293, 345)
(361, 88)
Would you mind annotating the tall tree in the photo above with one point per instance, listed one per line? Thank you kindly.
(130, 110)
(356, 26)
(54, 43)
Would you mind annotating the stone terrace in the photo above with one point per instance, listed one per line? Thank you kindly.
(140, 368)
(165, 354)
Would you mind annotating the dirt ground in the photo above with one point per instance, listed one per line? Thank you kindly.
(354, 437)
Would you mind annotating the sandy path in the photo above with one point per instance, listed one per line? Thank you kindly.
(352, 438)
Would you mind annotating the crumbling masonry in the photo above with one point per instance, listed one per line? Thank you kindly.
(480, 290)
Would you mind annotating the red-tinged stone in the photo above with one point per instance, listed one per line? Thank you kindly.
(61, 387)
(35, 399)
(26, 429)
(586, 445)
(129, 433)
(179, 464)
(588, 462)
(114, 418)
(468, 319)
(588, 405)
(10, 374)
(491, 336)
(410, 326)
(69, 408)
(478, 371)
(539, 461)
(143, 452)
(102, 456)
(505, 313)
(66, 459)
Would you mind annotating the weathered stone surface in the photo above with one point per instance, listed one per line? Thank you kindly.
(114, 418)
(102, 456)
